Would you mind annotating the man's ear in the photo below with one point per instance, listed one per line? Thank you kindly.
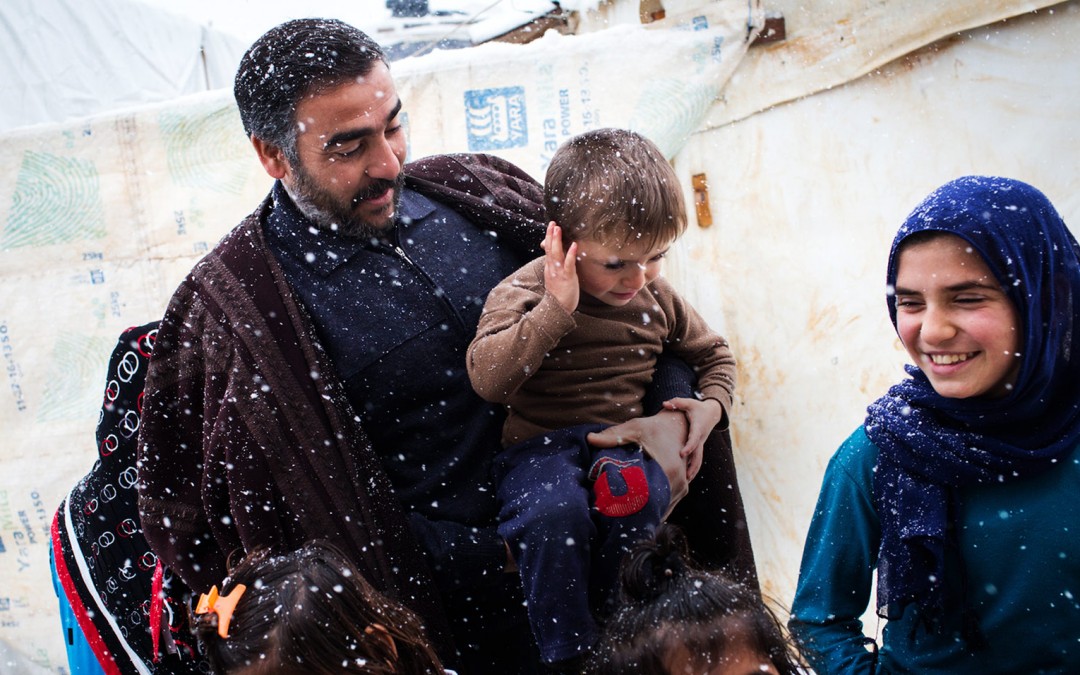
(272, 158)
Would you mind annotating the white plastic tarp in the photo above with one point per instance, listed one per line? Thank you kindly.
(815, 151)
(64, 59)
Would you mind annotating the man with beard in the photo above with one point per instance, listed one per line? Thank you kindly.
(308, 380)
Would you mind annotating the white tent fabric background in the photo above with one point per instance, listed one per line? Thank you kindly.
(64, 59)
(814, 151)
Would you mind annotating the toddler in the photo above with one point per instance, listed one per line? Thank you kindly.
(569, 343)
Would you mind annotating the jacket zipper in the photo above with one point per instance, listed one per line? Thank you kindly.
(431, 282)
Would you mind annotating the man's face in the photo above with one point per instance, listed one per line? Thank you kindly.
(350, 147)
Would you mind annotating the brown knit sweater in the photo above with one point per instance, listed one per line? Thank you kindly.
(555, 369)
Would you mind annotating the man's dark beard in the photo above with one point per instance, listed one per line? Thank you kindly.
(330, 214)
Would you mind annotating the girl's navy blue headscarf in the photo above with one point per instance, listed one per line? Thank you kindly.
(930, 445)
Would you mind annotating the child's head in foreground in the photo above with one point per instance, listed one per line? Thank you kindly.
(674, 618)
(613, 193)
(309, 611)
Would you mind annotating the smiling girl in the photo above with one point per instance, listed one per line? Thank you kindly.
(961, 487)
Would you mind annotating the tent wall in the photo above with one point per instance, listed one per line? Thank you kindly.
(101, 218)
(65, 59)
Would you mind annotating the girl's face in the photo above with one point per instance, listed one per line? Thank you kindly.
(955, 320)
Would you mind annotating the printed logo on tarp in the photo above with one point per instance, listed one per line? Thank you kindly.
(495, 118)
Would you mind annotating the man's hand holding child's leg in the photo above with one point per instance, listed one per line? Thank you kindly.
(702, 416)
(661, 436)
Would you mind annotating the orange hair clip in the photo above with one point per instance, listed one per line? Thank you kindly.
(222, 605)
(380, 631)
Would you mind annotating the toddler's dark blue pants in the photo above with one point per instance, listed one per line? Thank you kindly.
(569, 512)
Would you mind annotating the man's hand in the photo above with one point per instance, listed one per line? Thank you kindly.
(560, 269)
(661, 436)
(703, 417)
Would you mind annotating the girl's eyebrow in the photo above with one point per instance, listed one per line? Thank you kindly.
(955, 288)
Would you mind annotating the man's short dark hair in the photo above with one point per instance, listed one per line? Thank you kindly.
(294, 60)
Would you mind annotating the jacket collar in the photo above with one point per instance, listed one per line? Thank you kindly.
(324, 251)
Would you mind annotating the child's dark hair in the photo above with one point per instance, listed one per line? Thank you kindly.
(669, 609)
(310, 611)
(614, 185)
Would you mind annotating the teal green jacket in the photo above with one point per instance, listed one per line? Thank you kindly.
(1019, 544)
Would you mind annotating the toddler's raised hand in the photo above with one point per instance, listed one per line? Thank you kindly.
(560, 269)
(702, 416)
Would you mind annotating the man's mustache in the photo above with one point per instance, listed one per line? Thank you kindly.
(377, 187)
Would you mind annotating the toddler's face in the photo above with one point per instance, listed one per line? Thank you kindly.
(614, 273)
